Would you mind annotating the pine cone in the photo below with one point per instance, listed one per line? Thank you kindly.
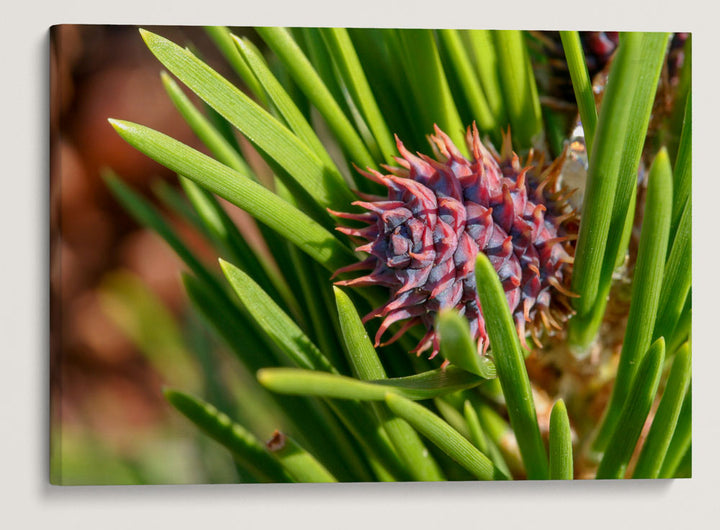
(424, 237)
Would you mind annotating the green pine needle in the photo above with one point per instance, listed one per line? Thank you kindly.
(582, 86)
(445, 437)
(245, 448)
(458, 347)
(646, 289)
(367, 366)
(426, 385)
(519, 88)
(302, 71)
(262, 204)
(510, 366)
(298, 463)
(633, 414)
(658, 439)
(625, 109)
(561, 451)
(321, 182)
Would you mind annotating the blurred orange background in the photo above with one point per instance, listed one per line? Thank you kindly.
(109, 418)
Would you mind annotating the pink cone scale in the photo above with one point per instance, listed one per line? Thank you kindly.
(423, 238)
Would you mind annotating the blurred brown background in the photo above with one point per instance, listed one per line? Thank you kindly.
(107, 406)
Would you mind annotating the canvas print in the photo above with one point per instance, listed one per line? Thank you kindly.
(369, 254)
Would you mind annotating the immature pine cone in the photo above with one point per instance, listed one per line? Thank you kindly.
(423, 238)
